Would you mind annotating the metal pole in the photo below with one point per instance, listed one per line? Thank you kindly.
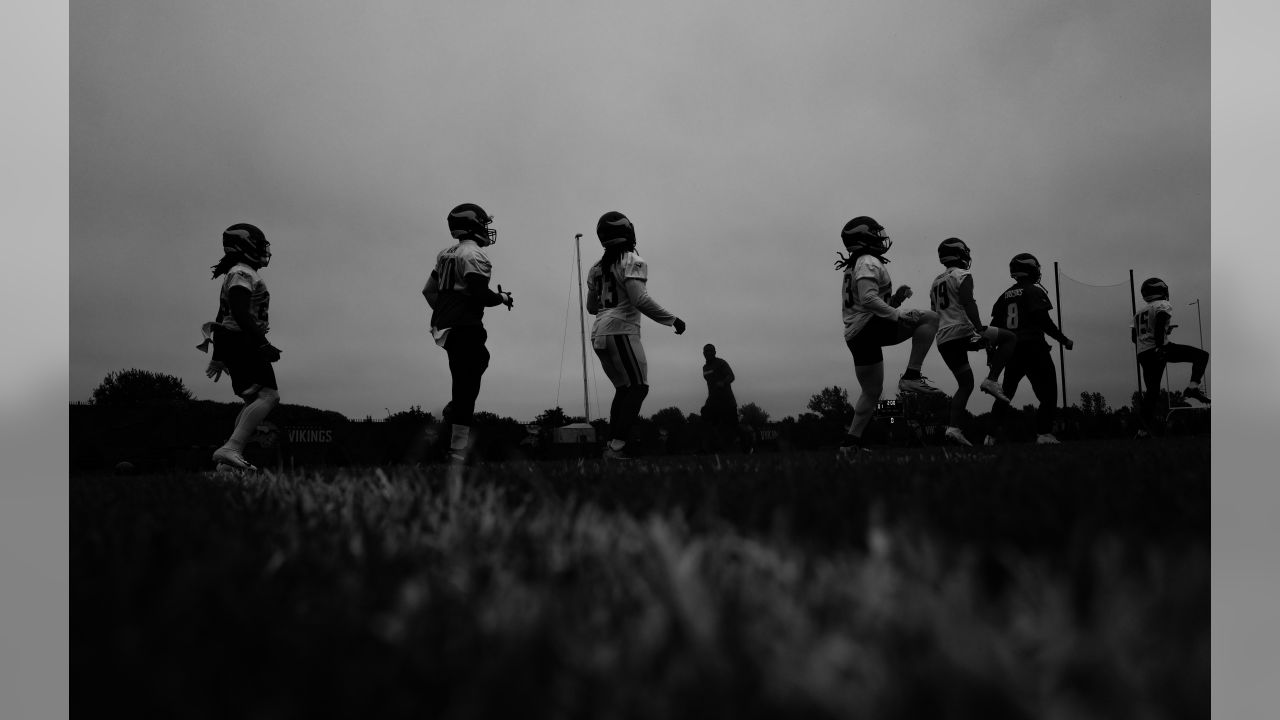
(1133, 309)
(1200, 328)
(582, 327)
(1057, 295)
(1198, 325)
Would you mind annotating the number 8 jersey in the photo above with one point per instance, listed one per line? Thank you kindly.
(1016, 310)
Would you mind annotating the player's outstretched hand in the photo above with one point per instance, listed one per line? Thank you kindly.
(900, 295)
(1068, 343)
(679, 325)
(269, 352)
(215, 370)
(507, 298)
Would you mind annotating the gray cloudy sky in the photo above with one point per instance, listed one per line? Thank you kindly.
(739, 137)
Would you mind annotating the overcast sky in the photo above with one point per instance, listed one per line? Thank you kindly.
(738, 137)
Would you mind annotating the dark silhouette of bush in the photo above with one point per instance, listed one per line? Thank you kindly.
(139, 387)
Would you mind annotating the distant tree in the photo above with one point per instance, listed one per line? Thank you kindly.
(753, 415)
(138, 387)
(414, 415)
(552, 418)
(1094, 404)
(669, 418)
(832, 404)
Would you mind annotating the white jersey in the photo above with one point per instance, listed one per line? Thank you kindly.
(857, 315)
(1145, 322)
(617, 314)
(241, 275)
(455, 307)
(944, 299)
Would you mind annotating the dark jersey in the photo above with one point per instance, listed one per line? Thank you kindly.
(718, 376)
(1023, 310)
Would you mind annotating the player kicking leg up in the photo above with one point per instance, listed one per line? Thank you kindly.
(960, 331)
(239, 337)
(872, 320)
(1150, 335)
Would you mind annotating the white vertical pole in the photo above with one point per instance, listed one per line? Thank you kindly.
(582, 328)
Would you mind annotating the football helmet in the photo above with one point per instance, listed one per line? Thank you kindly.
(954, 250)
(469, 220)
(1025, 268)
(248, 242)
(1154, 289)
(614, 229)
(865, 234)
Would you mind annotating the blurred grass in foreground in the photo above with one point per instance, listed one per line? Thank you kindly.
(1015, 582)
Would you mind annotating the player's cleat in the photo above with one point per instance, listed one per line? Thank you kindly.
(989, 441)
(1047, 439)
(851, 453)
(992, 388)
(1196, 393)
(1142, 435)
(616, 455)
(954, 435)
(226, 456)
(918, 385)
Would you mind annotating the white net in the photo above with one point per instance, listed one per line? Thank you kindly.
(1096, 316)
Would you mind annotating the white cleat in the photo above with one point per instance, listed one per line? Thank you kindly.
(954, 435)
(226, 456)
(992, 388)
(1047, 439)
(989, 441)
(918, 385)
(616, 455)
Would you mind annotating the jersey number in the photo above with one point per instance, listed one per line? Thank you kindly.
(1144, 323)
(1011, 317)
(448, 274)
(608, 291)
(940, 299)
(847, 291)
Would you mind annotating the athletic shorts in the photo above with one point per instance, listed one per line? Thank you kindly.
(877, 333)
(955, 353)
(244, 362)
(622, 357)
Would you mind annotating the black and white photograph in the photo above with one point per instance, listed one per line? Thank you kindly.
(645, 360)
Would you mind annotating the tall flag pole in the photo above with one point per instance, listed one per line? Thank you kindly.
(1133, 313)
(1200, 328)
(582, 328)
(1057, 295)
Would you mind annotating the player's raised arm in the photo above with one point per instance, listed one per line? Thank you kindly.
(969, 304)
(869, 297)
(478, 288)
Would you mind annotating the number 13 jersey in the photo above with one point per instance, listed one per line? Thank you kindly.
(856, 314)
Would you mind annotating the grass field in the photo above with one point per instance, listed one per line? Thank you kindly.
(1014, 582)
